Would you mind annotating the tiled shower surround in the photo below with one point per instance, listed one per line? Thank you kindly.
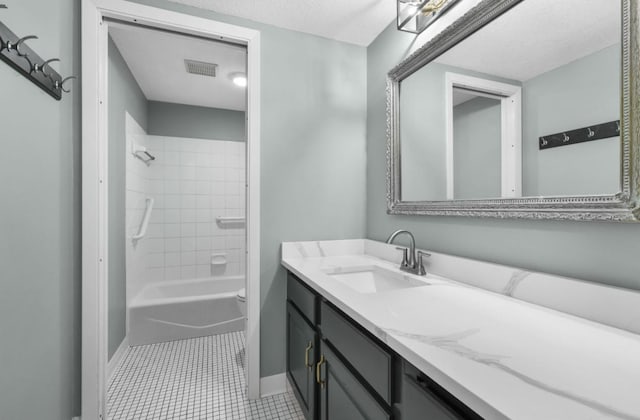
(193, 182)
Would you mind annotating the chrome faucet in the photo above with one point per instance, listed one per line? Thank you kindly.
(413, 262)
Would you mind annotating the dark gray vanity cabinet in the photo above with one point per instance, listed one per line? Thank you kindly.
(339, 371)
(342, 395)
(301, 356)
(302, 345)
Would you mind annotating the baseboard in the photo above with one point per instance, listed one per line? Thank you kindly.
(117, 357)
(271, 385)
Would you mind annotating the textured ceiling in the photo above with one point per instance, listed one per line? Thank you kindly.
(354, 21)
(156, 60)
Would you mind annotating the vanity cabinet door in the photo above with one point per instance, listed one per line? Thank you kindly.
(301, 355)
(342, 396)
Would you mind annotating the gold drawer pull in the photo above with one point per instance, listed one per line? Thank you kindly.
(306, 355)
(318, 374)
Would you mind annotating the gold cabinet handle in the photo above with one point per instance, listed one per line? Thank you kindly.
(306, 355)
(318, 373)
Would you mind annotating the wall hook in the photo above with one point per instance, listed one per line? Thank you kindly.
(565, 138)
(590, 132)
(3, 44)
(60, 84)
(17, 53)
(543, 141)
(16, 46)
(40, 67)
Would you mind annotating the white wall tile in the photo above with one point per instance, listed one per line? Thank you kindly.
(155, 230)
(188, 258)
(172, 244)
(155, 259)
(172, 259)
(217, 174)
(172, 215)
(203, 243)
(188, 272)
(188, 229)
(188, 216)
(203, 159)
(155, 187)
(203, 271)
(188, 173)
(188, 159)
(203, 215)
(202, 174)
(203, 202)
(218, 201)
(188, 244)
(237, 242)
(172, 273)
(172, 201)
(188, 187)
(203, 229)
(218, 243)
(188, 201)
(155, 274)
(155, 244)
(192, 181)
(203, 187)
(173, 172)
(203, 257)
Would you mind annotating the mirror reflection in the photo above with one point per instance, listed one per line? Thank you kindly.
(527, 106)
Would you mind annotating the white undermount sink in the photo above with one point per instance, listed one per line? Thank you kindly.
(373, 278)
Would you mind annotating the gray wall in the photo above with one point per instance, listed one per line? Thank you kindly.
(124, 96)
(556, 101)
(477, 149)
(422, 127)
(40, 222)
(167, 119)
(313, 154)
(598, 252)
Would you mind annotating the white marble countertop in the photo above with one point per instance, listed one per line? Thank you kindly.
(503, 357)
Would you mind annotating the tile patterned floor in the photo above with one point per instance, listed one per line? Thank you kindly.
(195, 379)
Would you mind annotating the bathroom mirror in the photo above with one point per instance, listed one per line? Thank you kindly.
(519, 109)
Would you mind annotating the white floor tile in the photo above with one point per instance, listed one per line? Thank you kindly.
(200, 378)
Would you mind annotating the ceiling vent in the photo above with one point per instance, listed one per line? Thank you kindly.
(201, 68)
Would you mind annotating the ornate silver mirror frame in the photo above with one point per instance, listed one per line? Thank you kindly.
(623, 206)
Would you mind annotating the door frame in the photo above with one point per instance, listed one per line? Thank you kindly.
(95, 183)
(510, 97)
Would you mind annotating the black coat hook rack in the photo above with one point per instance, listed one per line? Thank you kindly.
(580, 135)
(15, 52)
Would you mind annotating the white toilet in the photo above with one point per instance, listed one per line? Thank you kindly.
(241, 299)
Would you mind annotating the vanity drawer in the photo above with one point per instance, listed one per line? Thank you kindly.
(302, 297)
(371, 361)
(421, 397)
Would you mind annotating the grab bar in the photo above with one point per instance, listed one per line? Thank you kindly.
(230, 219)
(145, 220)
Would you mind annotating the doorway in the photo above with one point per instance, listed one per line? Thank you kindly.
(99, 254)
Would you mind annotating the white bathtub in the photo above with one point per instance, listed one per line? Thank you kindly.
(182, 309)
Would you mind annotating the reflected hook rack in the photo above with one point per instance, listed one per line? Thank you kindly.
(16, 53)
(580, 135)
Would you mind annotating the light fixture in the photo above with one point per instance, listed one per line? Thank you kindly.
(239, 79)
(415, 15)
